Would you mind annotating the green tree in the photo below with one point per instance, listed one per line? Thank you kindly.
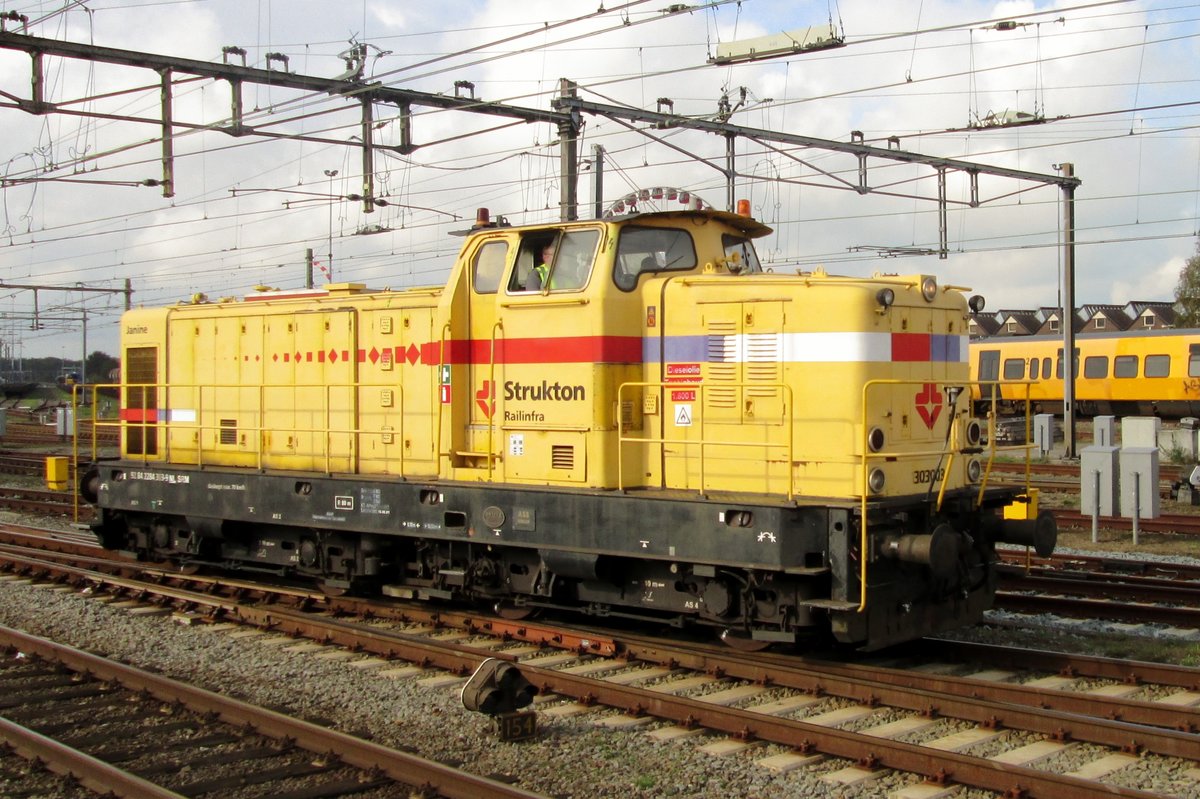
(1187, 292)
(99, 365)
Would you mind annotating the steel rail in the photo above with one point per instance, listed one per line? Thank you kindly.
(299, 624)
(973, 771)
(90, 772)
(975, 699)
(400, 766)
(1078, 607)
(1153, 714)
(1073, 664)
(869, 752)
(1180, 524)
(1110, 586)
(864, 686)
(1107, 566)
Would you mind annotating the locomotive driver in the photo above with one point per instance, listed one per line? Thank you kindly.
(542, 270)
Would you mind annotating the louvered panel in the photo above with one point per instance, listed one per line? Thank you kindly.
(763, 348)
(721, 397)
(629, 419)
(722, 348)
(722, 364)
(763, 363)
(562, 457)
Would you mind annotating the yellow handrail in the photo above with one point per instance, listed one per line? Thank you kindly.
(437, 399)
(787, 422)
(949, 450)
(324, 432)
(491, 449)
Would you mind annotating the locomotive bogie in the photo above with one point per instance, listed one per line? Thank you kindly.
(651, 425)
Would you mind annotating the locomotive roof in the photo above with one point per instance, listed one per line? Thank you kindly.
(747, 226)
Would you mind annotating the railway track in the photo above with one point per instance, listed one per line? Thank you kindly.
(1167, 472)
(1064, 477)
(46, 503)
(37, 437)
(122, 731)
(1099, 588)
(865, 714)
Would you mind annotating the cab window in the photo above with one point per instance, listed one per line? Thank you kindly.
(488, 267)
(530, 255)
(740, 257)
(573, 261)
(549, 261)
(644, 249)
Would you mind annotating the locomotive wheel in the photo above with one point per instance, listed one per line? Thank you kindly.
(507, 610)
(741, 641)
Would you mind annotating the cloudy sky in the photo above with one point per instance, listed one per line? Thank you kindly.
(1116, 82)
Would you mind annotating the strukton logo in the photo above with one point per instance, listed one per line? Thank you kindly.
(554, 392)
(929, 404)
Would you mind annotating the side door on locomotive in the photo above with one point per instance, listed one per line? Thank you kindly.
(525, 352)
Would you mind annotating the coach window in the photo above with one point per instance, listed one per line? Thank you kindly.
(1125, 366)
(1058, 369)
(489, 267)
(989, 364)
(651, 249)
(1033, 368)
(1014, 369)
(1046, 365)
(1158, 366)
(1194, 360)
(1095, 367)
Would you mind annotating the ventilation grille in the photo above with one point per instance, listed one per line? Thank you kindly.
(763, 362)
(229, 431)
(630, 420)
(722, 364)
(141, 367)
(562, 456)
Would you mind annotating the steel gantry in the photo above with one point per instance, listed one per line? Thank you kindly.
(353, 89)
(568, 109)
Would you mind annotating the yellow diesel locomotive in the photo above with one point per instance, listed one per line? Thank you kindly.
(647, 424)
(1125, 373)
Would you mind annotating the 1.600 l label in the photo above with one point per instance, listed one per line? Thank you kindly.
(922, 476)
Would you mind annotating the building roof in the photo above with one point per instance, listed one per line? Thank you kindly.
(1030, 321)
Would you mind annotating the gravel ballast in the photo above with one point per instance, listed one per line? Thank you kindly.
(571, 757)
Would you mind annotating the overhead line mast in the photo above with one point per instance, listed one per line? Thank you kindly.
(365, 93)
(566, 116)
